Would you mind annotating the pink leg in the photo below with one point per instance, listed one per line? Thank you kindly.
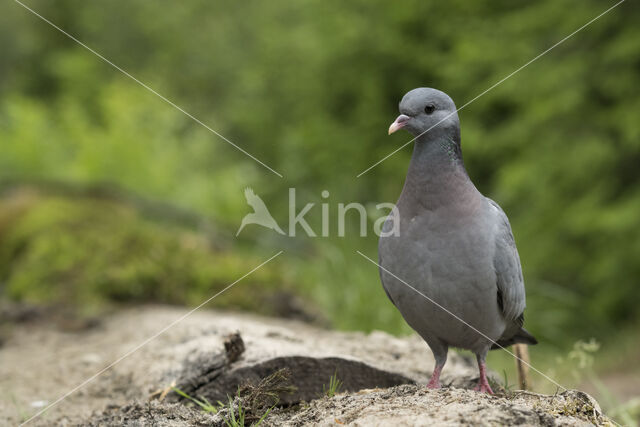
(434, 382)
(483, 384)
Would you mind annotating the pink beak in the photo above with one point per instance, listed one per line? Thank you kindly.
(399, 123)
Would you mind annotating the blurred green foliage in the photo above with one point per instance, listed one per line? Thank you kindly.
(310, 88)
(89, 253)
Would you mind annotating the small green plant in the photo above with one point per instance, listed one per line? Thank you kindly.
(508, 387)
(253, 402)
(233, 420)
(501, 387)
(334, 386)
(204, 403)
(239, 420)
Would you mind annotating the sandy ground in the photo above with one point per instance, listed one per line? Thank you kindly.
(41, 365)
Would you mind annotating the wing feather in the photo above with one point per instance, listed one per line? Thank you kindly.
(509, 278)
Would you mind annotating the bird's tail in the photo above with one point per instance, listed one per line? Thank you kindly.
(521, 337)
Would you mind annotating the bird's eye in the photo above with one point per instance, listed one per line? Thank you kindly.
(429, 109)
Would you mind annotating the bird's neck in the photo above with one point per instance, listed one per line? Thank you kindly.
(436, 175)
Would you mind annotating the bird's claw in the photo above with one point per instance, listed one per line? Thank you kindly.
(484, 388)
(433, 385)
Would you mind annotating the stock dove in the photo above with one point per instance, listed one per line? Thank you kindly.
(454, 246)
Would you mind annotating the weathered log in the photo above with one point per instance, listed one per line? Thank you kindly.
(213, 378)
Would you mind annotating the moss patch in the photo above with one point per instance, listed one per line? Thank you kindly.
(90, 253)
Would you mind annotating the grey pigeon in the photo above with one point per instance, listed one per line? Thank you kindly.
(453, 245)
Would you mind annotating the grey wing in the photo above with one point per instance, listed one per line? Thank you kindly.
(511, 295)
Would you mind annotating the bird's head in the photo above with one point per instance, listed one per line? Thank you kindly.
(426, 109)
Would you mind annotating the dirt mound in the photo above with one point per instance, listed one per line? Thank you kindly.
(405, 405)
(418, 406)
(152, 413)
(382, 376)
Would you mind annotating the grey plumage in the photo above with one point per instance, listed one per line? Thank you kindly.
(454, 245)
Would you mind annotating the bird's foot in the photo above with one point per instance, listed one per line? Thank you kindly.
(433, 384)
(484, 387)
(483, 384)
